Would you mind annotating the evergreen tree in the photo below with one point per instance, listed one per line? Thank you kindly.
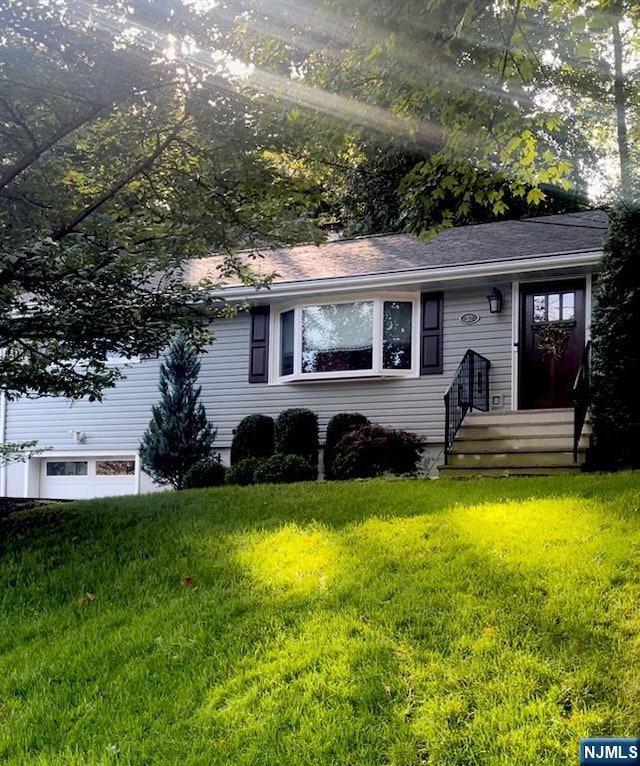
(179, 434)
(616, 348)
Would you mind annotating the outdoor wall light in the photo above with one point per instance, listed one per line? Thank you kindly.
(495, 301)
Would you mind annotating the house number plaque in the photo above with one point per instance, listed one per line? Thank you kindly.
(469, 317)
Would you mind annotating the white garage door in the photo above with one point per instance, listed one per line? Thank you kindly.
(76, 478)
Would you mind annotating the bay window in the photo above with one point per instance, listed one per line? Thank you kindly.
(348, 338)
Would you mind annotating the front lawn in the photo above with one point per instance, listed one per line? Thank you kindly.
(381, 622)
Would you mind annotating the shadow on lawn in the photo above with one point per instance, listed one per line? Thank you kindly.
(334, 504)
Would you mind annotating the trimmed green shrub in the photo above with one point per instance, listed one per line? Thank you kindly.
(284, 469)
(206, 473)
(243, 471)
(296, 433)
(337, 427)
(253, 437)
(371, 450)
(615, 405)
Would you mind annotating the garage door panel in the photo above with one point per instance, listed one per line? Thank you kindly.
(76, 479)
(65, 488)
(113, 486)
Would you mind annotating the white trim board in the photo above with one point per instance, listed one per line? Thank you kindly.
(515, 343)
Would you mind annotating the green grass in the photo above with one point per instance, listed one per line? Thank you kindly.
(381, 622)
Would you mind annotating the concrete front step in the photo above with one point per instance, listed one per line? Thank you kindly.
(475, 431)
(523, 442)
(512, 460)
(522, 417)
(449, 472)
(482, 444)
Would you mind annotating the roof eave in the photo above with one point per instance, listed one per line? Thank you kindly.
(482, 269)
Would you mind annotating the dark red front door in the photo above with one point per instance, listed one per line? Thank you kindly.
(551, 342)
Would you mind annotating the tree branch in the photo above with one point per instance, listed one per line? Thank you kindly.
(33, 156)
(507, 39)
(111, 192)
(50, 90)
(19, 120)
(21, 198)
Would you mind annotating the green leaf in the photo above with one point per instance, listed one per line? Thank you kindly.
(535, 196)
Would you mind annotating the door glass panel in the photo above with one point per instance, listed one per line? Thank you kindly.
(67, 468)
(115, 467)
(396, 340)
(568, 306)
(539, 308)
(553, 314)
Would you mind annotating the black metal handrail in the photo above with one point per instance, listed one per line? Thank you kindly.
(581, 396)
(469, 390)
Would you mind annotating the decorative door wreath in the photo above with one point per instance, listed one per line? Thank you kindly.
(552, 339)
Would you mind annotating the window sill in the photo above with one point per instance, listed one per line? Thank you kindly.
(333, 377)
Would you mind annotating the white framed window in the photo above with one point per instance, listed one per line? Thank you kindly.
(66, 467)
(362, 336)
(115, 467)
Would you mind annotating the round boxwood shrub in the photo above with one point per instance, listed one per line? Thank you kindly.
(283, 469)
(337, 427)
(253, 437)
(205, 473)
(243, 471)
(296, 433)
(371, 450)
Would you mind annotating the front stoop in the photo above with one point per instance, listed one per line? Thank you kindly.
(525, 442)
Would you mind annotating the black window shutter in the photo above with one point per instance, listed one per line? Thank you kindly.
(431, 334)
(259, 348)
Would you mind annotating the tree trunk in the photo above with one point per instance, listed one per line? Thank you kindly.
(620, 99)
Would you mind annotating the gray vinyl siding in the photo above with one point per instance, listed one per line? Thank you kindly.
(117, 423)
(412, 403)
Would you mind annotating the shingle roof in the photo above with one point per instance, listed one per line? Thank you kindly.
(392, 253)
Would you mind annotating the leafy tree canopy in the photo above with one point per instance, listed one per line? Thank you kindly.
(119, 160)
(136, 135)
(506, 104)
